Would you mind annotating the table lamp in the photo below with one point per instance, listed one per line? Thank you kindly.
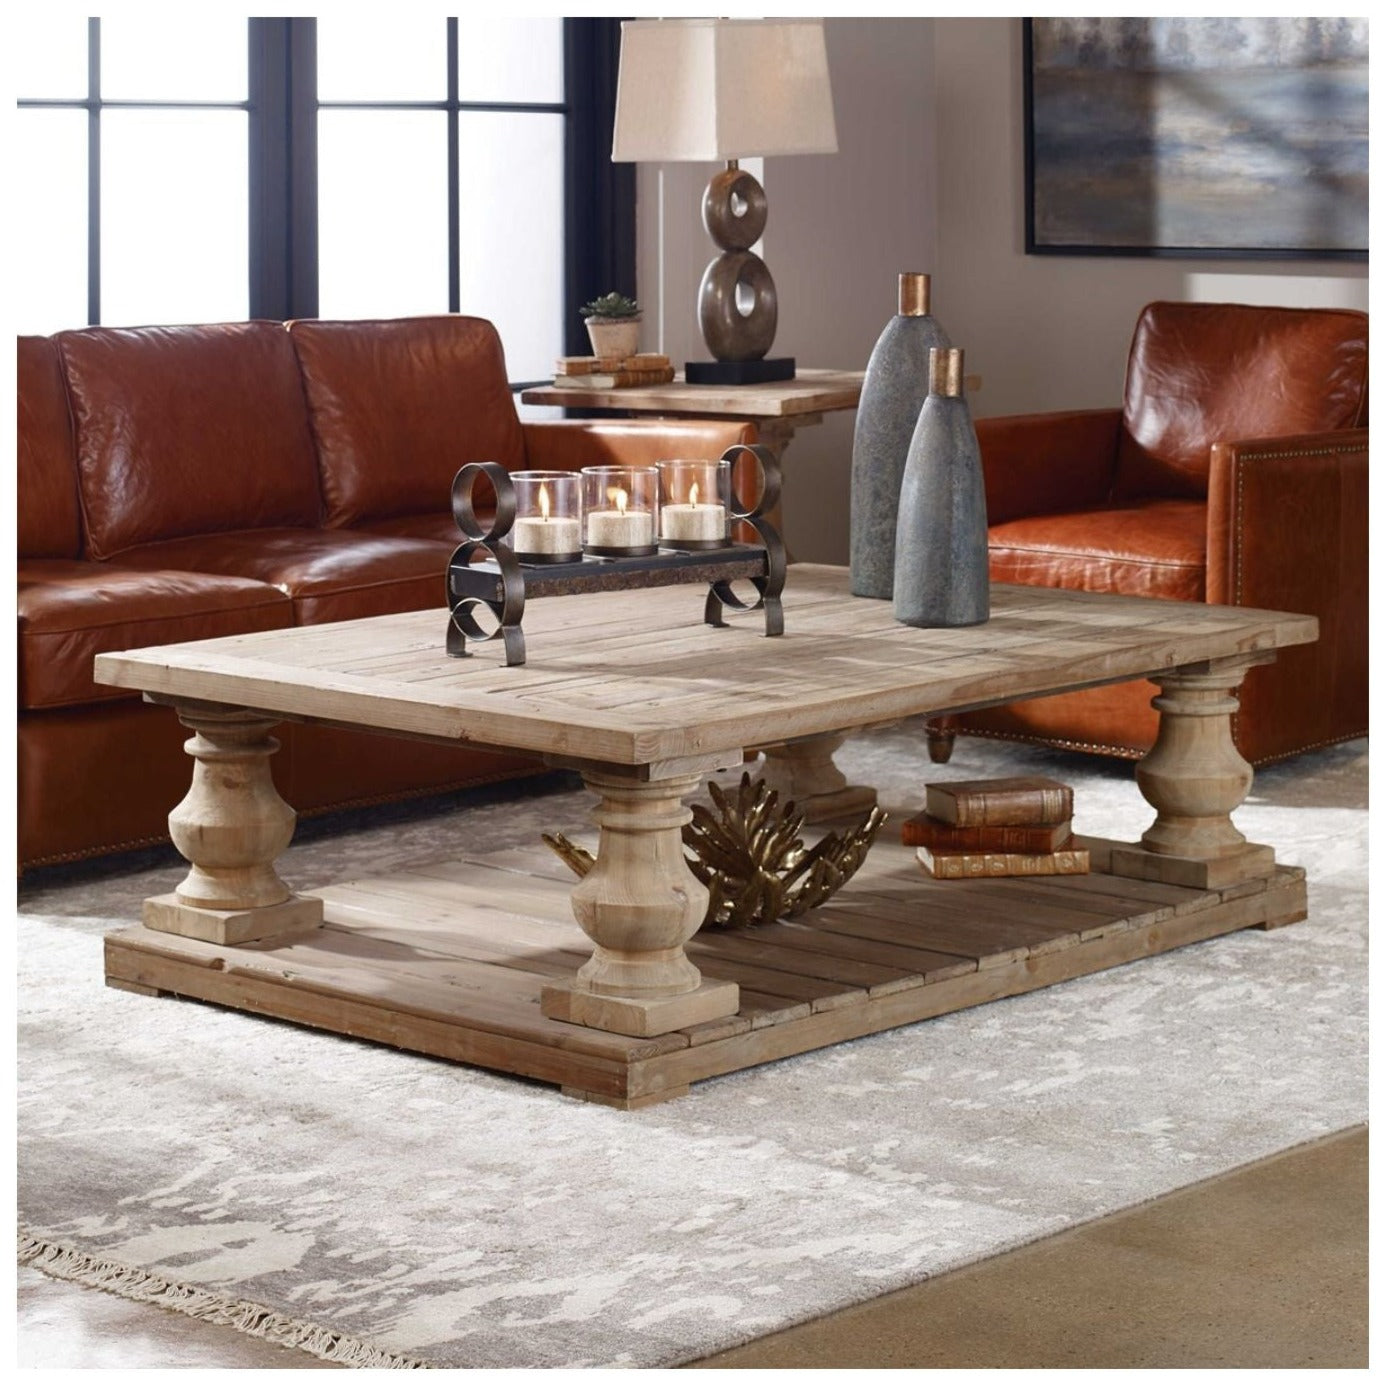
(709, 89)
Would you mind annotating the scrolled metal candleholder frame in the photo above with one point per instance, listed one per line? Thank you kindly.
(500, 582)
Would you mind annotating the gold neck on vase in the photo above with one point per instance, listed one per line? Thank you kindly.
(913, 290)
(946, 371)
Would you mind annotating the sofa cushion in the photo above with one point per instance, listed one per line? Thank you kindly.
(1156, 549)
(50, 526)
(71, 611)
(439, 526)
(398, 406)
(1203, 373)
(328, 575)
(188, 430)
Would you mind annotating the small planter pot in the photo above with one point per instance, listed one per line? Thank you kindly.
(614, 336)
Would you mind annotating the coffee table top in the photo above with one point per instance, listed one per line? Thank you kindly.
(636, 678)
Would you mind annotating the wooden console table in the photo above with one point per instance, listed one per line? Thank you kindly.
(481, 960)
(777, 408)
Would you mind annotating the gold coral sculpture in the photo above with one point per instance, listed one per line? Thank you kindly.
(751, 857)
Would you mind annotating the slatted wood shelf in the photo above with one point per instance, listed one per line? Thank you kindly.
(449, 959)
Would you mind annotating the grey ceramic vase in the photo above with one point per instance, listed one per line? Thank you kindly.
(941, 530)
(893, 390)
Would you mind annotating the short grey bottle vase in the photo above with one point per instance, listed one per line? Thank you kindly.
(893, 390)
(941, 531)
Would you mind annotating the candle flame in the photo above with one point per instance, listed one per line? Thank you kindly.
(544, 501)
(693, 494)
(621, 500)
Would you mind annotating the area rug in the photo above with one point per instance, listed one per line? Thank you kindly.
(384, 1209)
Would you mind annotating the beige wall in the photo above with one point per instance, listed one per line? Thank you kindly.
(929, 176)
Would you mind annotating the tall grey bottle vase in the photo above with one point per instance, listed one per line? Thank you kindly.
(893, 390)
(941, 530)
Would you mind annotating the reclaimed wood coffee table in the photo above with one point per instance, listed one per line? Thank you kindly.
(479, 959)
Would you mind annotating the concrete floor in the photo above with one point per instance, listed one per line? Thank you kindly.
(1264, 1267)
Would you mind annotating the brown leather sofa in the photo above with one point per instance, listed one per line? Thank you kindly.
(181, 483)
(1235, 472)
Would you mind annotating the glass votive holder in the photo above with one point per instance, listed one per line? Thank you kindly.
(548, 524)
(695, 502)
(620, 505)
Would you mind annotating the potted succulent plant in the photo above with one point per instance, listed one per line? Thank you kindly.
(614, 325)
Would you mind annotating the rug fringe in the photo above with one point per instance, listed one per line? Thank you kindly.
(134, 1283)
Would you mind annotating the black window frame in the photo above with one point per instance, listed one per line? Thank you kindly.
(282, 107)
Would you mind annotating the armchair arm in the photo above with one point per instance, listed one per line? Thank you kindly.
(565, 445)
(1288, 530)
(1288, 523)
(1042, 464)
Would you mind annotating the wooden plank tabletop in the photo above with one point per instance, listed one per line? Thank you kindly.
(811, 392)
(636, 678)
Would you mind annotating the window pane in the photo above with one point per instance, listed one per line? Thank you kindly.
(50, 222)
(512, 234)
(382, 213)
(174, 243)
(510, 59)
(195, 55)
(364, 59)
(49, 54)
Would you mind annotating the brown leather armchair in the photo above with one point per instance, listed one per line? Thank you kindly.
(1235, 472)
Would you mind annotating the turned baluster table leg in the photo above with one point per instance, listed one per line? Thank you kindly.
(804, 771)
(1194, 777)
(639, 904)
(231, 826)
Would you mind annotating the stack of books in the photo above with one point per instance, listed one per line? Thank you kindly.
(997, 828)
(613, 372)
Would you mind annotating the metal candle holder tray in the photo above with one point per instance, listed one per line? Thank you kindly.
(500, 582)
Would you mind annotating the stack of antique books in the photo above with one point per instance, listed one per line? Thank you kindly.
(1020, 826)
(613, 372)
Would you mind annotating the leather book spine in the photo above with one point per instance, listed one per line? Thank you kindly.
(999, 807)
(960, 866)
(925, 831)
(616, 379)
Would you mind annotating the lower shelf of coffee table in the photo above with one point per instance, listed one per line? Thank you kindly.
(449, 960)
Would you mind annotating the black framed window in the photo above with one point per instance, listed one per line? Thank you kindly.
(133, 155)
(208, 169)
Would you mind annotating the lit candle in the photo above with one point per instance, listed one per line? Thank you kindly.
(694, 521)
(546, 534)
(620, 528)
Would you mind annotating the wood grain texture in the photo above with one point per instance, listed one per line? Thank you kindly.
(636, 678)
(426, 961)
(811, 392)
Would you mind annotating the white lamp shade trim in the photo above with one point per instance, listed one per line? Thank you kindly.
(712, 89)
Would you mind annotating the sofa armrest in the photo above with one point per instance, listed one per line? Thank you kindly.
(1044, 464)
(565, 445)
(1288, 524)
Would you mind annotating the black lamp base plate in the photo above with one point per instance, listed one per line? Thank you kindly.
(739, 372)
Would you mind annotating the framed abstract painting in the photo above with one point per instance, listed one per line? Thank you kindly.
(1241, 138)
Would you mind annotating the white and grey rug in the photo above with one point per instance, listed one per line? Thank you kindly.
(382, 1208)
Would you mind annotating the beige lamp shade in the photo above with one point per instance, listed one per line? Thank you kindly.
(705, 89)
